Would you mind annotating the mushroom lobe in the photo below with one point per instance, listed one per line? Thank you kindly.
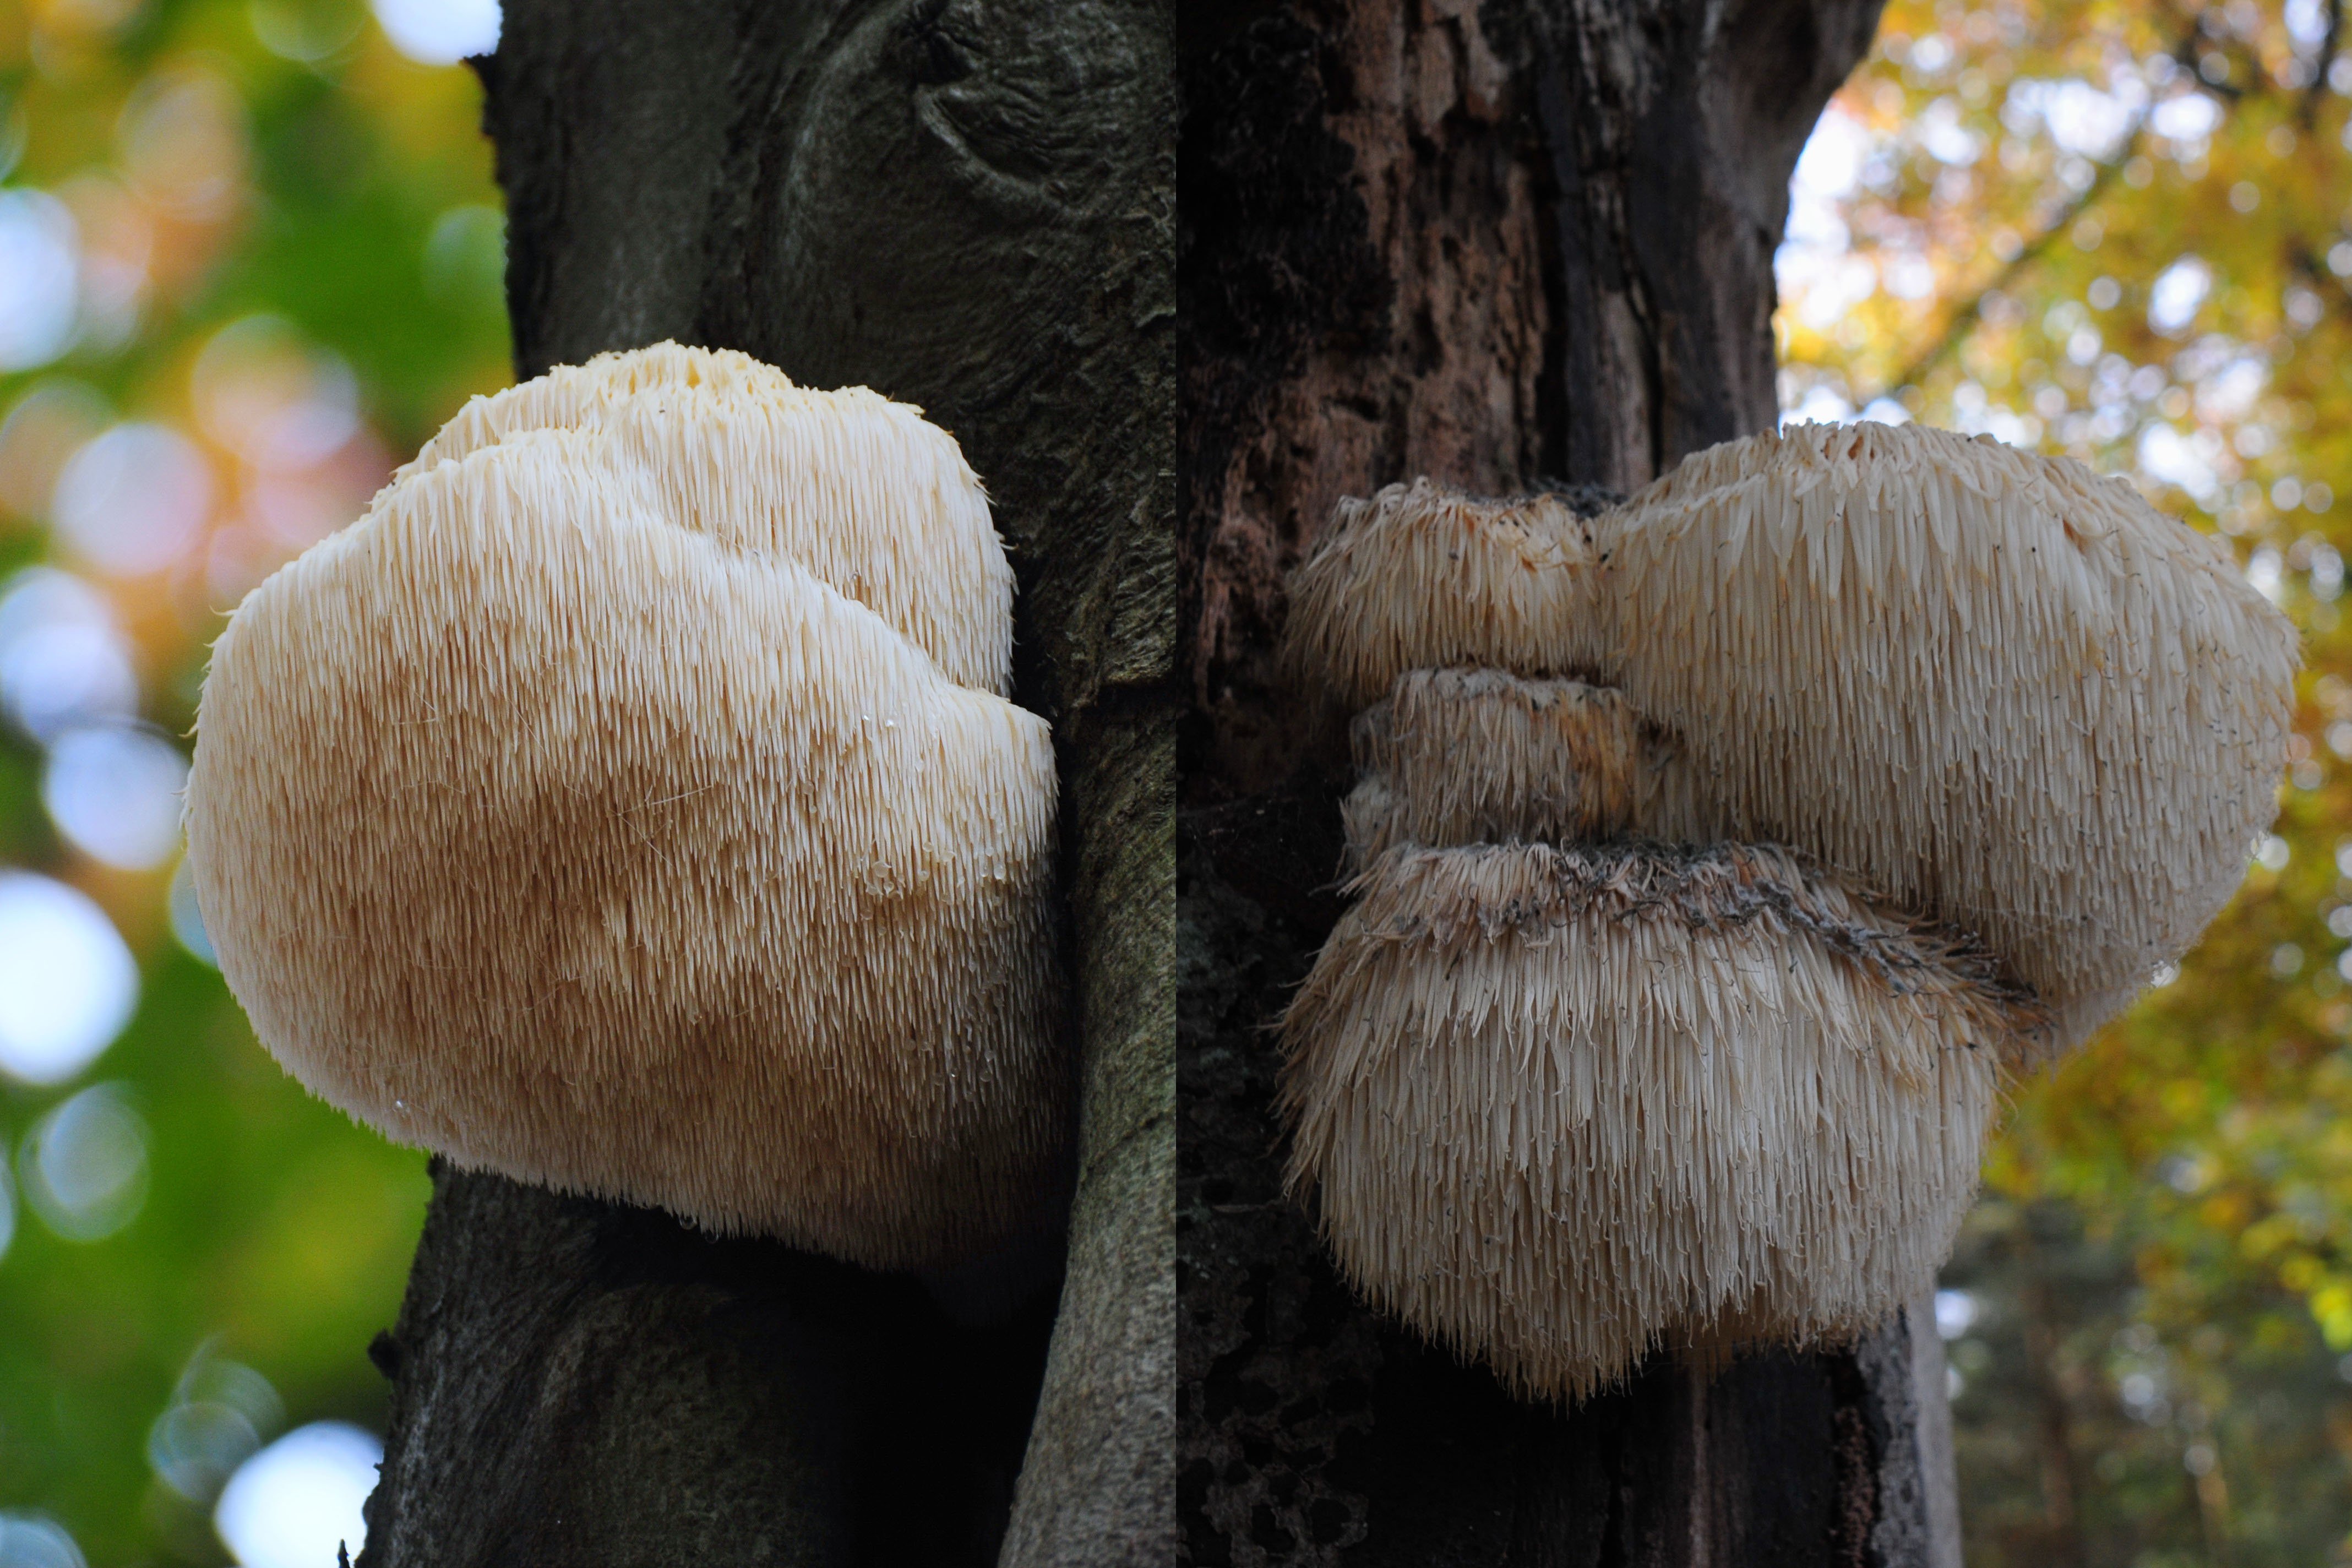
(536, 829)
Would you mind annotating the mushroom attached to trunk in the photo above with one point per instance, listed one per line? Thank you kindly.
(2006, 692)
(1468, 756)
(537, 824)
(1739, 841)
(864, 493)
(1561, 1105)
(1423, 577)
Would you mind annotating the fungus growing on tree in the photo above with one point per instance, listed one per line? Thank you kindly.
(859, 490)
(1562, 1104)
(1464, 756)
(2003, 691)
(2000, 708)
(539, 825)
(1421, 577)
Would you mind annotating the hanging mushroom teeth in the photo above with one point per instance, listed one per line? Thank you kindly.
(859, 490)
(1560, 1107)
(1627, 1078)
(1421, 577)
(1468, 756)
(541, 826)
(2007, 692)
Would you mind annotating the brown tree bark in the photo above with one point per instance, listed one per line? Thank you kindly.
(966, 204)
(1517, 243)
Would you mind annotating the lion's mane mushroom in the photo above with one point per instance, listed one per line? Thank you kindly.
(862, 491)
(2003, 691)
(1467, 756)
(2015, 731)
(585, 845)
(1698, 1097)
(1421, 577)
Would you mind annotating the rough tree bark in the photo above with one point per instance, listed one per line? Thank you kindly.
(1509, 244)
(967, 204)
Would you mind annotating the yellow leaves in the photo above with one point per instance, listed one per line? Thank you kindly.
(2332, 1305)
(2264, 1240)
(2185, 1098)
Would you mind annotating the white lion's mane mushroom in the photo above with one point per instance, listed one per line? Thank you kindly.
(538, 825)
(863, 492)
(2007, 693)
(1554, 760)
(1420, 577)
(1630, 1076)
(1562, 1105)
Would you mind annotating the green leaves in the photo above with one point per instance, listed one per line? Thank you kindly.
(287, 254)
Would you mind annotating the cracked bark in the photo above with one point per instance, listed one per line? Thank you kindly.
(966, 204)
(1502, 244)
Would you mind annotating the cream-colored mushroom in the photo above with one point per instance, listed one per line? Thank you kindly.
(584, 844)
(1560, 1107)
(1421, 577)
(2006, 692)
(861, 491)
(1468, 756)
(1630, 1076)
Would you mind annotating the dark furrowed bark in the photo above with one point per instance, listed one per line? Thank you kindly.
(966, 204)
(581, 1382)
(1501, 245)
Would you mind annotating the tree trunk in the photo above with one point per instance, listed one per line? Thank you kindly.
(1504, 245)
(966, 204)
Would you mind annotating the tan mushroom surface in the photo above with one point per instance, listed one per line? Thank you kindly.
(1720, 858)
(579, 843)
(1470, 755)
(861, 491)
(1423, 577)
(1561, 1105)
(2007, 693)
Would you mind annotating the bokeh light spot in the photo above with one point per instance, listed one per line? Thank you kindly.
(83, 1167)
(35, 1540)
(295, 1502)
(47, 426)
(304, 32)
(114, 791)
(62, 662)
(183, 135)
(439, 32)
(220, 1412)
(194, 1448)
(38, 267)
(132, 500)
(275, 400)
(68, 984)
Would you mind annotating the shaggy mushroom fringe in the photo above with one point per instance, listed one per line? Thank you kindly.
(863, 492)
(1562, 1107)
(578, 844)
(2006, 691)
(1594, 1067)
(1421, 577)
(1463, 756)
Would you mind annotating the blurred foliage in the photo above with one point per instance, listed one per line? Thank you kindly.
(2123, 232)
(275, 214)
(2117, 230)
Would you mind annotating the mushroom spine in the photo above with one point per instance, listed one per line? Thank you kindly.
(626, 805)
(1997, 714)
